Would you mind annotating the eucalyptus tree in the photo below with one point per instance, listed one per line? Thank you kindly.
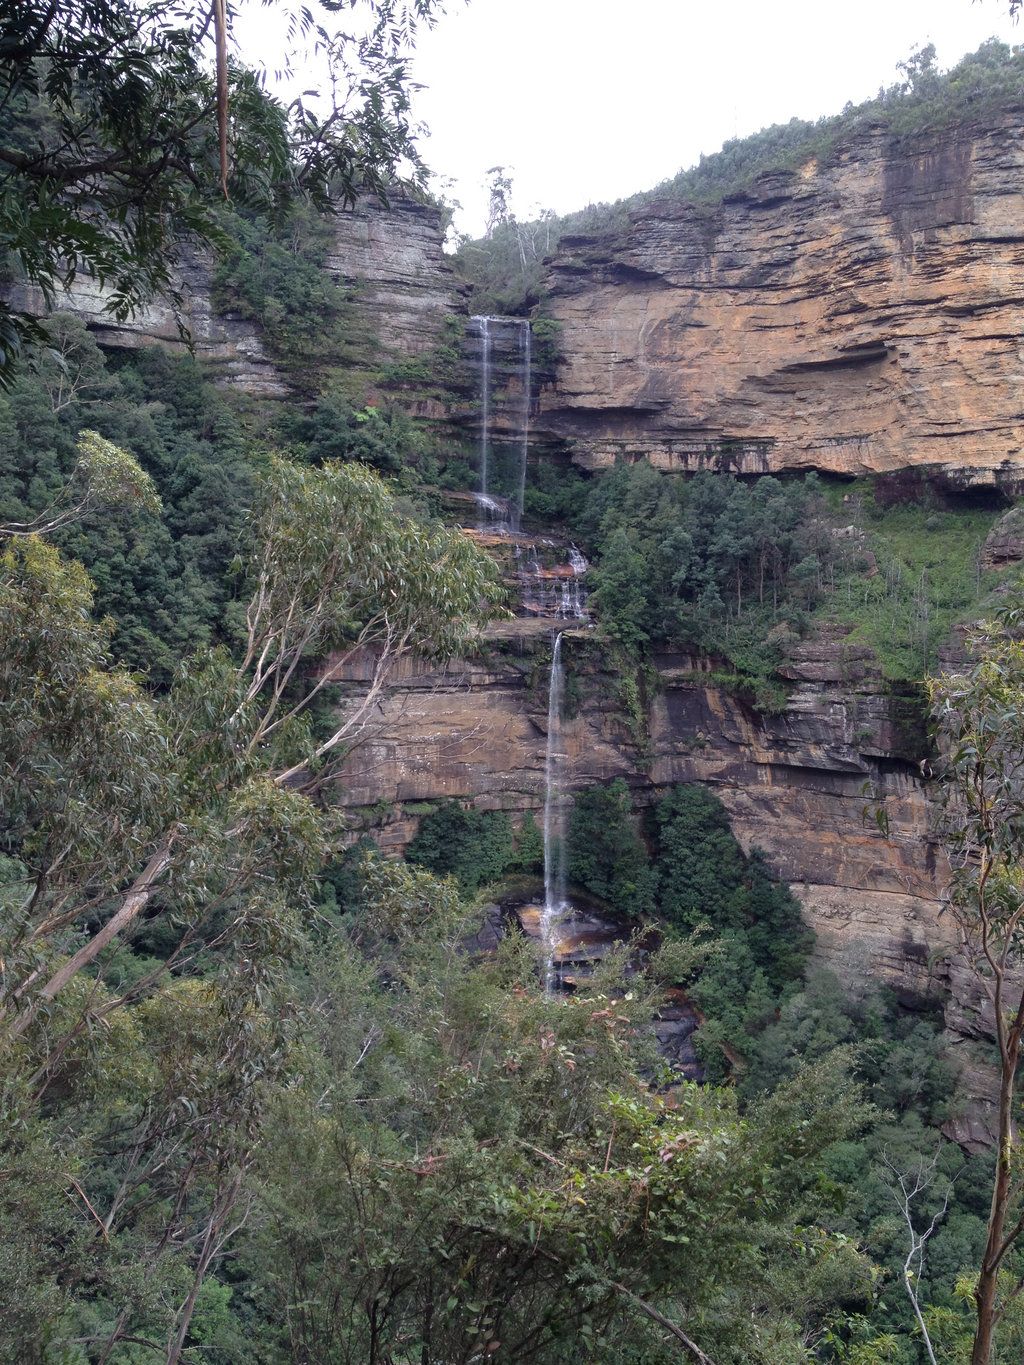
(108, 794)
(188, 820)
(122, 122)
(979, 714)
(103, 475)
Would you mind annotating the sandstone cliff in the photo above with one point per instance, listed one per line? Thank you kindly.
(392, 259)
(802, 785)
(859, 316)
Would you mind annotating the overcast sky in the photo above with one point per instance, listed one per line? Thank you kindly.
(590, 100)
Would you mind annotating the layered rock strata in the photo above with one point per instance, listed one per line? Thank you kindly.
(231, 345)
(858, 316)
(804, 786)
(405, 287)
(391, 258)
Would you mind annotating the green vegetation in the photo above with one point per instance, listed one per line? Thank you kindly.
(274, 272)
(766, 1018)
(124, 126)
(929, 577)
(690, 874)
(308, 1121)
(473, 846)
(607, 857)
(507, 266)
(163, 579)
(335, 429)
(444, 1154)
(261, 1106)
(722, 565)
(978, 713)
(742, 571)
(704, 878)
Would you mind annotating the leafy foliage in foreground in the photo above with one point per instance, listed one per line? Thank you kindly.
(307, 1138)
(444, 1158)
(164, 576)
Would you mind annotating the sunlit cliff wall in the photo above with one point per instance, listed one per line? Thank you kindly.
(859, 316)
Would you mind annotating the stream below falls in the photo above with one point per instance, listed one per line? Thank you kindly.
(582, 935)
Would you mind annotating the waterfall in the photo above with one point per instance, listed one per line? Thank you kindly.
(574, 598)
(525, 339)
(554, 814)
(555, 590)
(507, 342)
(485, 400)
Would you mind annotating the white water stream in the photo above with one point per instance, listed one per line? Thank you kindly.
(525, 339)
(485, 400)
(554, 906)
(494, 331)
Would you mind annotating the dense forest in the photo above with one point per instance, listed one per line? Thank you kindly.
(266, 1098)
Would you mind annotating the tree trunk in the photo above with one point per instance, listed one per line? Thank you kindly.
(134, 901)
(212, 1244)
(995, 1250)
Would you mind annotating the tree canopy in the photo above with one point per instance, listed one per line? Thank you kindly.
(108, 795)
(122, 123)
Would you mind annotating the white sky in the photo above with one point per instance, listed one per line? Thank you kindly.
(585, 101)
(591, 100)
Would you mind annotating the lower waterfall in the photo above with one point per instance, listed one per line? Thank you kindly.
(554, 814)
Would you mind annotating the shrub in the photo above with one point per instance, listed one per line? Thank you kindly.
(473, 846)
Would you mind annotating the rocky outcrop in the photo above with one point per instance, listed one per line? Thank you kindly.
(405, 287)
(391, 257)
(831, 790)
(857, 316)
(232, 346)
(1004, 544)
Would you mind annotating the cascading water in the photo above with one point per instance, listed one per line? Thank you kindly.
(485, 401)
(556, 590)
(525, 338)
(554, 816)
(499, 341)
(574, 597)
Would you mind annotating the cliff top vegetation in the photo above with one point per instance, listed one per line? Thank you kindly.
(506, 267)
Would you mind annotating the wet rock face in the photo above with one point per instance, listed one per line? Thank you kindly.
(803, 785)
(856, 317)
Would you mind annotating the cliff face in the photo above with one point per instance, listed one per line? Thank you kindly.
(797, 784)
(403, 289)
(803, 786)
(405, 286)
(231, 345)
(857, 317)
